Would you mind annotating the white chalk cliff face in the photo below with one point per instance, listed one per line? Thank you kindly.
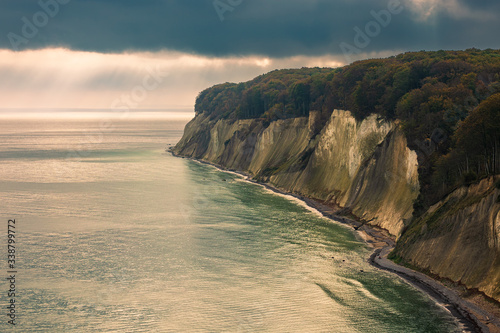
(364, 166)
(459, 238)
(361, 165)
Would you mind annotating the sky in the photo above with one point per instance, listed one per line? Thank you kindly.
(159, 54)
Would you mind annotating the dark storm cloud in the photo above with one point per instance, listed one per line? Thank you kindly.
(476, 24)
(274, 28)
(489, 5)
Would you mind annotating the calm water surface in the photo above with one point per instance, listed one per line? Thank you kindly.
(115, 235)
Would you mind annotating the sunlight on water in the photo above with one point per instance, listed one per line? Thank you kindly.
(96, 115)
(116, 235)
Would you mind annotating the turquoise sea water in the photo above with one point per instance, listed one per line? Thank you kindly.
(115, 235)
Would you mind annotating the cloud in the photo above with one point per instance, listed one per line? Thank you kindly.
(456, 9)
(62, 78)
(90, 53)
(278, 28)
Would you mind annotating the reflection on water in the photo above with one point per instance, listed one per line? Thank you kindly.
(123, 237)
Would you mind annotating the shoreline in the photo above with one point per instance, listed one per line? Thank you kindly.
(471, 317)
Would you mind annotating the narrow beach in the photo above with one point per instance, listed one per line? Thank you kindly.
(472, 317)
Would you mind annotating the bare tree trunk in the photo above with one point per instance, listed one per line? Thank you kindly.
(495, 154)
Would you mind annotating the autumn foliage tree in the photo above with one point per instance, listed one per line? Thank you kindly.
(478, 137)
(453, 93)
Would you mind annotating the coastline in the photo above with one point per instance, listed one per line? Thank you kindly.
(471, 316)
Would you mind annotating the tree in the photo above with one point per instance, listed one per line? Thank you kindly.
(300, 94)
(479, 136)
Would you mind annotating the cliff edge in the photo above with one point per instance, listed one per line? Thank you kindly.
(416, 154)
(363, 166)
(459, 238)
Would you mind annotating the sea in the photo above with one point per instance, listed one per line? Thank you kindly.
(114, 234)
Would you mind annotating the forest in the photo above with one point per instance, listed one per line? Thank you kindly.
(447, 102)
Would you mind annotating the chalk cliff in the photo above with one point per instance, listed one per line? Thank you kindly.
(364, 166)
(459, 238)
(280, 128)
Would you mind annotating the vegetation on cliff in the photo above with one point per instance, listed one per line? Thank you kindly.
(457, 238)
(448, 103)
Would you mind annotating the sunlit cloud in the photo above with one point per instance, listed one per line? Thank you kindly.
(426, 9)
(62, 78)
(59, 78)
